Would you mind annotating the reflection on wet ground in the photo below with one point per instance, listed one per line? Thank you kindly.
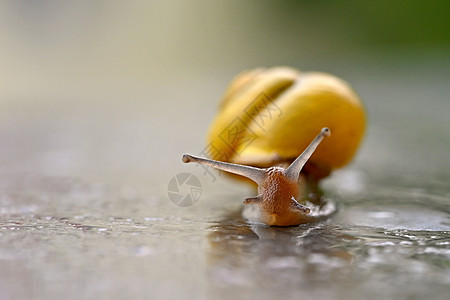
(337, 258)
(58, 242)
(84, 212)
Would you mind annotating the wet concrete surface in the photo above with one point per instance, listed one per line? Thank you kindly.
(85, 214)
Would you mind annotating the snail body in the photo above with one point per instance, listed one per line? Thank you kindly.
(265, 119)
(278, 189)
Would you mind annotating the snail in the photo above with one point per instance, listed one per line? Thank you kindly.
(277, 187)
(268, 116)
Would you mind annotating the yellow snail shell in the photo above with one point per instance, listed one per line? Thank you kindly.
(268, 129)
(275, 113)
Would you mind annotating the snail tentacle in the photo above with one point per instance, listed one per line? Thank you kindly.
(256, 174)
(293, 171)
(297, 206)
(253, 200)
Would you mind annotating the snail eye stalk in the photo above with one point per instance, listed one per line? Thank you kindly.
(258, 175)
(293, 171)
(255, 174)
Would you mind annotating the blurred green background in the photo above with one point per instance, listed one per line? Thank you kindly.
(99, 100)
(102, 87)
(145, 39)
